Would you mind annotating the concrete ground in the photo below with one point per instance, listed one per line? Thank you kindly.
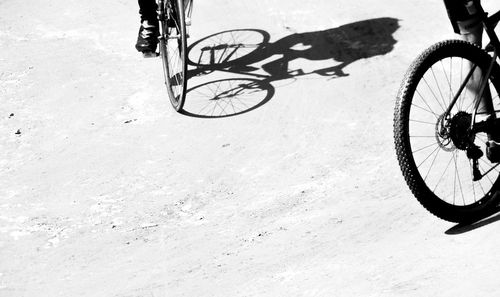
(106, 191)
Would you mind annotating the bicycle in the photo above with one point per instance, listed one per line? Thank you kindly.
(173, 47)
(446, 111)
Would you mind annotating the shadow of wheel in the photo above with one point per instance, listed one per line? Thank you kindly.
(227, 97)
(226, 48)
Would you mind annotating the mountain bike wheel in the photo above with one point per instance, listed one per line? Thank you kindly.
(173, 45)
(435, 164)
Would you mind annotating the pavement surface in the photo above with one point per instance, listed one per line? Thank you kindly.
(290, 189)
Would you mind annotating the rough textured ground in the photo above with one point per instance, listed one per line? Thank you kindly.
(106, 191)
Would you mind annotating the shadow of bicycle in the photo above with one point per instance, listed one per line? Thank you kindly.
(243, 53)
(464, 228)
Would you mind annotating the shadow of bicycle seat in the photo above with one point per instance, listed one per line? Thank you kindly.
(243, 52)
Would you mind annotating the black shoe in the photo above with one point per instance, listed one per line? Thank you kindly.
(147, 39)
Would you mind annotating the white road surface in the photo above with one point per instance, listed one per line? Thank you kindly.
(106, 191)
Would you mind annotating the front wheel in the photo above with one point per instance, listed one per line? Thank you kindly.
(434, 148)
(173, 48)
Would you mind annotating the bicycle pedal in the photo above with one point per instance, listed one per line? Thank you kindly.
(150, 54)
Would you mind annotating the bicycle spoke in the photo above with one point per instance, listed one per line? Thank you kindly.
(423, 122)
(423, 148)
(473, 186)
(450, 97)
(439, 90)
(432, 163)
(462, 95)
(437, 83)
(422, 136)
(455, 157)
(443, 174)
(427, 110)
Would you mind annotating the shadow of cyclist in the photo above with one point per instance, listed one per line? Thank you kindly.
(337, 48)
(344, 45)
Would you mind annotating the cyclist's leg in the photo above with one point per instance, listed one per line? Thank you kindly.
(147, 9)
(474, 34)
(470, 29)
(464, 23)
(147, 38)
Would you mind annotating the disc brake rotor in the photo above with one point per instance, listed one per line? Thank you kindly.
(443, 136)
